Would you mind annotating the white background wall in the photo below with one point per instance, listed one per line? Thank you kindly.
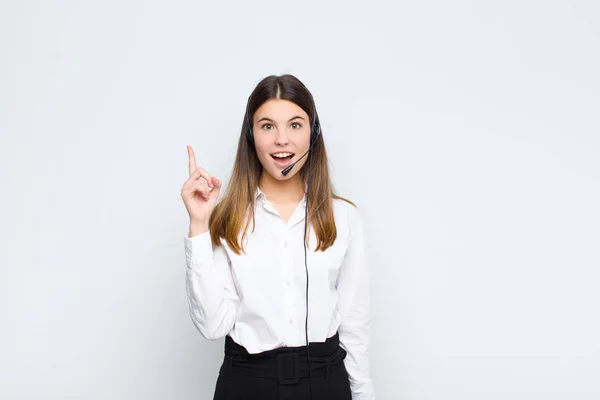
(467, 132)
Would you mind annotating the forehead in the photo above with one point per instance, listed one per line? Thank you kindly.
(279, 109)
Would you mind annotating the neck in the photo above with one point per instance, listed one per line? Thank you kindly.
(287, 191)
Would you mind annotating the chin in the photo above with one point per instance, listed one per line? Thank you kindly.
(278, 176)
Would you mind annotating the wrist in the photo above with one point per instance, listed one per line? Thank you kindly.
(198, 227)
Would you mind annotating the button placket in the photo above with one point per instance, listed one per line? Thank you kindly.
(287, 269)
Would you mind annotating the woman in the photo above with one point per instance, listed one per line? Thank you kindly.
(279, 261)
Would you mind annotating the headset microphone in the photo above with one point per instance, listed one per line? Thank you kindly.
(287, 169)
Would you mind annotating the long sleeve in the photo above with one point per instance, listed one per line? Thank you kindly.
(213, 300)
(354, 308)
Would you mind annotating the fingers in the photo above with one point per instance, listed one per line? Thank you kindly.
(216, 183)
(200, 173)
(195, 171)
(193, 186)
(191, 160)
(202, 188)
(202, 182)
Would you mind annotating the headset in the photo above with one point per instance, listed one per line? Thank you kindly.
(315, 132)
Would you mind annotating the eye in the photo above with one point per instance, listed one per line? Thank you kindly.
(297, 123)
(267, 124)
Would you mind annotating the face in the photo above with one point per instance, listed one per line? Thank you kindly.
(281, 128)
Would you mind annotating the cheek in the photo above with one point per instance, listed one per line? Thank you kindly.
(262, 153)
(263, 161)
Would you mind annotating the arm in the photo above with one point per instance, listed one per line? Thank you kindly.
(354, 309)
(212, 298)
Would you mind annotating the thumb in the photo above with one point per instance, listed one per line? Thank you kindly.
(216, 185)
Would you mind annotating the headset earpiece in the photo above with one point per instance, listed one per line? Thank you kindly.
(316, 131)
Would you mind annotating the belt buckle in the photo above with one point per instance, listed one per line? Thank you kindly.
(296, 362)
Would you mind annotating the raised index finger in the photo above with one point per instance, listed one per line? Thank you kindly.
(192, 160)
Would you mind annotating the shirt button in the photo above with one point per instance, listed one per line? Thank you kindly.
(285, 244)
(288, 283)
(291, 321)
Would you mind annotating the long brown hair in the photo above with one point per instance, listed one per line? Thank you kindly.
(232, 210)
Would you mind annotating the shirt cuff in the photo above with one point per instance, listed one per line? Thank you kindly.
(198, 251)
(363, 392)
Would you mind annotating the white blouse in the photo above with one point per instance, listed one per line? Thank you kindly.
(259, 298)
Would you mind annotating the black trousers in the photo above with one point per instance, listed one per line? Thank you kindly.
(283, 373)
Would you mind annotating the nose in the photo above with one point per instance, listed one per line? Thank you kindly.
(281, 137)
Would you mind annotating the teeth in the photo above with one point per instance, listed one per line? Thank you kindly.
(282, 155)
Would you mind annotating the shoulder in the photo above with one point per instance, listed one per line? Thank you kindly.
(346, 212)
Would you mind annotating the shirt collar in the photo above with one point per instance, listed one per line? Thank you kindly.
(260, 195)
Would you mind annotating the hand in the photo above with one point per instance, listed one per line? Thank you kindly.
(199, 192)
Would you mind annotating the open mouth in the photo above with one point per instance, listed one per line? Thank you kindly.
(283, 157)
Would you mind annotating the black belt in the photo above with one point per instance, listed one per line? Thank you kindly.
(286, 364)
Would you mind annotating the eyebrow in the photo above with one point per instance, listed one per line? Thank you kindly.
(269, 119)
